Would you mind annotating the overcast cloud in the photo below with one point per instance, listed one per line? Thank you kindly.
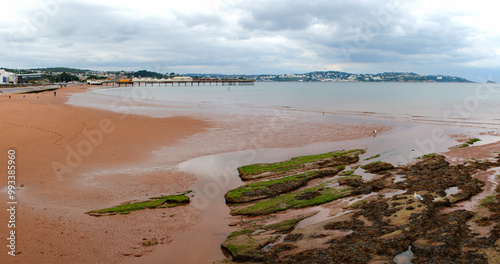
(258, 36)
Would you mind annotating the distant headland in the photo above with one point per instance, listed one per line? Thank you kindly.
(336, 76)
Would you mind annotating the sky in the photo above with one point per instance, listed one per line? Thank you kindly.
(458, 38)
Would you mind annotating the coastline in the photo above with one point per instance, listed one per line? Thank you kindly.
(106, 177)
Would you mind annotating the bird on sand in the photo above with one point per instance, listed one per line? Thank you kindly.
(418, 197)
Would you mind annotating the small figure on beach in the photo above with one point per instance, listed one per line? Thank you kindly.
(54, 93)
(9, 96)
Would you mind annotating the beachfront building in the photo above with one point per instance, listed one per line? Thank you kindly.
(175, 79)
(7, 77)
(182, 79)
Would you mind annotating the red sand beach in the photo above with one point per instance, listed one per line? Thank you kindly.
(51, 223)
(71, 160)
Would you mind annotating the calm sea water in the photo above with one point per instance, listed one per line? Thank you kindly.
(460, 102)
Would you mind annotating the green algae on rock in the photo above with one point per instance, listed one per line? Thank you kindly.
(248, 244)
(155, 202)
(335, 158)
(311, 196)
(266, 189)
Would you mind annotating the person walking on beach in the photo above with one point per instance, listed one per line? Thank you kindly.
(54, 93)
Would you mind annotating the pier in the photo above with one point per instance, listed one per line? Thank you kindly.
(179, 83)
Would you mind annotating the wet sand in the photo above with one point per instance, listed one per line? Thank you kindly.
(51, 224)
(103, 158)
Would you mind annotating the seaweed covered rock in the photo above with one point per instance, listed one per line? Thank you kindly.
(377, 167)
(373, 185)
(380, 226)
(435, 175)
(328, 255)
(444, 238)
(249, 244)
(299, 164)
(272, 188)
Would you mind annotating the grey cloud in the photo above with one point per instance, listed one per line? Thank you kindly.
(267, 35)
(85, 21)
(300, 15)
(198, 19)
(371, 31)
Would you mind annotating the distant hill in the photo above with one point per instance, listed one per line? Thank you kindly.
(61, 69)
(332, 76)
(382, 77)
(315, 76)
(145, 74)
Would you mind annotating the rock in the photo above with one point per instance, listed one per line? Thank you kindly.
(377, 167)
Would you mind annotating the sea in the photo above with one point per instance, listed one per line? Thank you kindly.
(474, 103)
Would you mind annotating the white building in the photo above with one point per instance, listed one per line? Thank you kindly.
(7, 77)
(182, 79)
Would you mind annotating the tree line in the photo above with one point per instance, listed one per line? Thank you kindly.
(63, 77)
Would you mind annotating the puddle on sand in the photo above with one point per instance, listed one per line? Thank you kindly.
(355, 200)
(392, 194)
(404, 258)
(258, 231)
(399, 178)
(322, 215)
(342, 213)
(490, 178)
(271, 245)
(451, 191)
(366, 176)
(333, 184)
